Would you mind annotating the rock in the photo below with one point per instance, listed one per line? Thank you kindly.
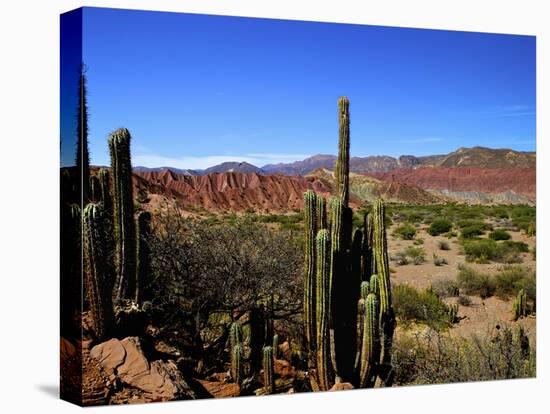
(339, 386)
(285, 351)
(284, 369)
(124, 361)
(220, 389)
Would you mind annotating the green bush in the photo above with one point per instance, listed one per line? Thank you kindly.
(472, 231)
(480, 250)
(440, 226)
(514, 246)
(500, 234)
(511, 279)
(416, 306)
(474, 223)
(439, 358)
(472, 282)
(406, 231)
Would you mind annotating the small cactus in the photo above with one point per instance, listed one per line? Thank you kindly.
(269, 382)
(452, 313)
(520, 305)
(374, 284)
(365, 290)
(276, 346)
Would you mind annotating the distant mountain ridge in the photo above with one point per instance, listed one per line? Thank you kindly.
(479, 157)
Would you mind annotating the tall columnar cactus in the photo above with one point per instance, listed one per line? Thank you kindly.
(94, 189)
(235, 334)
(124, 225)
(269, 381)
(370, 342)
(143, 254)
(310, 216)
(344, 288)
(342, 164)
(321, 213)
(323, 309)
(82, 158)
(237, 363)
(353, 311)
(98, 271)
(387, 316)
(105, 185)
(367, 260)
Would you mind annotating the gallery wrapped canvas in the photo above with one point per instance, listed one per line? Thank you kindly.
(257, 206)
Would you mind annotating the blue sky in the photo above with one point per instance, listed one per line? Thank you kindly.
(197, 90)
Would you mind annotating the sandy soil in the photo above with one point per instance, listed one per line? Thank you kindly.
(481, 315)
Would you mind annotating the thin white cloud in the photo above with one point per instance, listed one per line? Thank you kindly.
(199, 163)
(512, 110)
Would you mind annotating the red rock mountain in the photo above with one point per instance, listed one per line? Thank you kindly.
(521, 181)
(230, 191)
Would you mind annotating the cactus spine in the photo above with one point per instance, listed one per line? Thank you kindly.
(124, 225)
(269, 383)
(143, 253)
(97, 270)
(310, 204)
(323, 308)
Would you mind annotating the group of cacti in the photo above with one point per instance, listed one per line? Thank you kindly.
(348, 314)
(269, 354)
(107, 209)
